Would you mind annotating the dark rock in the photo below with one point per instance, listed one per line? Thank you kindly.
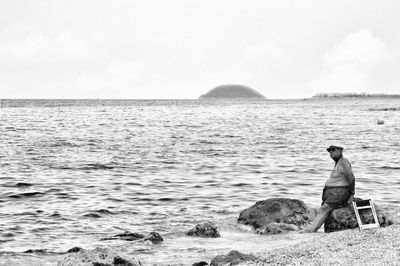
(154, 237)
(36, 251)
(201, 263)
(276, 228)
(98, 257)
(232, 91)
(127, 236)
(345, 218)
(204, 230)
(276, 215)
(74, 249)
(232, 258)
(122, 262)
(100, 264)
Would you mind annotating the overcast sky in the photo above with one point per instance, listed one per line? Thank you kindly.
(181, 49)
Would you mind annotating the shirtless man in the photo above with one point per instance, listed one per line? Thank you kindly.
(339, 188)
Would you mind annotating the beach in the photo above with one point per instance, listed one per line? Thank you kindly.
(379, 246)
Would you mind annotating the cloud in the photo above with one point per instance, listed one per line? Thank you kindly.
(262, 52)
(347, 68)
(25, 46)
(360, 48)
(117, 79)
(124, 73)
(164, 39)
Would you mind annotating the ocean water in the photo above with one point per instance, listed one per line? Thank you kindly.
(75, 171)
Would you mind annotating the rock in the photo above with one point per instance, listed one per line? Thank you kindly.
(154, 237)
(204, 230)
(97, 256)
(232, 91)
(276, 228)
(123, 262)
(36, 251)
(276, 215)
(201, 263)
(232, 258)
(345, 218)
(74, 249)
(127, 236)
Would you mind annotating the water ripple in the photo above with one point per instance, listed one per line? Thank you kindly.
(77, 169)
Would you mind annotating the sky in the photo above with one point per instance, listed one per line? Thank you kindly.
(180, 49)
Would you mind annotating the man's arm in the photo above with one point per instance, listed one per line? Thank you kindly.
(348, 173)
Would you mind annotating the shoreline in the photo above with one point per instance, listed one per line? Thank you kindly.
(379, 246)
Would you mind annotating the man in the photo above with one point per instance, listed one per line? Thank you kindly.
(339, 188)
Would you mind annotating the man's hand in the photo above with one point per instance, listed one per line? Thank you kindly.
(350, 199)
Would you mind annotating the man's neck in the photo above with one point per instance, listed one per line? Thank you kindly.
(338, 159)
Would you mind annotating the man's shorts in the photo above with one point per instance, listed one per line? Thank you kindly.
(335, 197)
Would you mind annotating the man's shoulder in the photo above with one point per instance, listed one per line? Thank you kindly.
(345, 162)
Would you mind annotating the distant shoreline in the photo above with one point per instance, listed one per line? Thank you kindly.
(14, 102)
(355, 95)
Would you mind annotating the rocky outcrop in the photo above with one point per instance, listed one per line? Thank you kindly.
(98, 256)
(277, 215)
(276, 228)
(200, 263)
(345, 218)
(74, 249)
(204, 230)
(232, 91)
(232, 258)
(127, 236)
(154, 237)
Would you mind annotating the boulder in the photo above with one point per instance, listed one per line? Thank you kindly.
(154, 237)
(127, 236)
(276, 228)
(97, 256)
(37, 251)
(204, 230)
(345, 218)
(74, 250)
(277, 215)
(200, 263)
(232, 258)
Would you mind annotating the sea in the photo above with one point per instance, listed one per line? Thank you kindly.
(73, 172)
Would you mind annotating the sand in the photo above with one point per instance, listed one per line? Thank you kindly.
(379, 246)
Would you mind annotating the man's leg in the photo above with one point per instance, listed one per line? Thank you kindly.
(322, 214)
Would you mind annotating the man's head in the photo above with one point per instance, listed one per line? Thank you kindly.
(335, 152)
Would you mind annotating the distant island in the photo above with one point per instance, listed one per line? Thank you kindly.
(232, 91)
(355, 95)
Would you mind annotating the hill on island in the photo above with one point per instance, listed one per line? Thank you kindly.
(232, 91)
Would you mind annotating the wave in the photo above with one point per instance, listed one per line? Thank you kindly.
(18, 185)
(389, 167)
(98, 213)
(241, 185)
(26, 195)
(90, 166)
